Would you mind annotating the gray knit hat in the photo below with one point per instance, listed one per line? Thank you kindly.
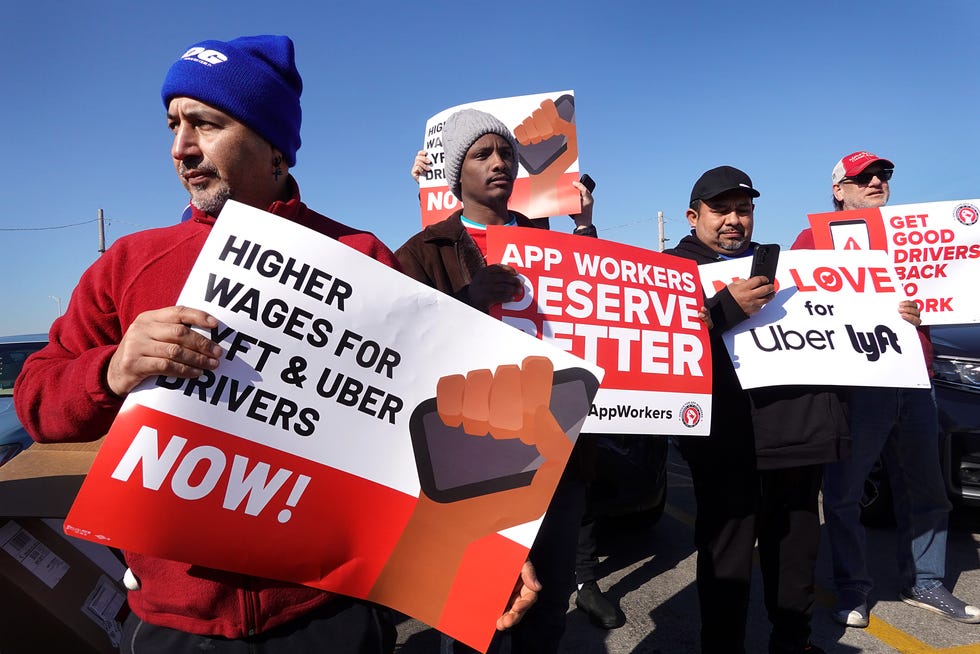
(461, 130)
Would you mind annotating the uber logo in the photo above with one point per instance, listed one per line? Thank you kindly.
(204, 56)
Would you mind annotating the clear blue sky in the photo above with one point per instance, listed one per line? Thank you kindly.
(664, 91)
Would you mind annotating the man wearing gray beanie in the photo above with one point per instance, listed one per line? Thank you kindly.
(481, 165)
(234, 111)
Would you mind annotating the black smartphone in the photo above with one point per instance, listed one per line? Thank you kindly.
(454, 465)
(764, 261)
(587, 182)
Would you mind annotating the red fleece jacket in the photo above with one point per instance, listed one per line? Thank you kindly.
(62, 395)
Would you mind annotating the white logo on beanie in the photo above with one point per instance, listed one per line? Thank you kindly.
(204, 56)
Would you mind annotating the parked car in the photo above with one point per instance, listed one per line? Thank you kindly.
(957, 384)
(14, 350)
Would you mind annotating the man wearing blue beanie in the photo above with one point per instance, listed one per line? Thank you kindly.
(251, 81)
(234, 111)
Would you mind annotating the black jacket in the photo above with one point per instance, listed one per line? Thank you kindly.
(791, 425)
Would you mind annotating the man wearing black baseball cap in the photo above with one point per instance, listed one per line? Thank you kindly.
(753, 477)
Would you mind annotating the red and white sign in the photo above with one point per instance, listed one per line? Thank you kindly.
(934, 246)
(352, 436)
(833, 322)
(632, 311)
(544, 126)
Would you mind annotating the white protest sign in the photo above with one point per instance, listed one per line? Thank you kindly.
(359, 428)
(833, 322)
(935, 247)
(543, 125)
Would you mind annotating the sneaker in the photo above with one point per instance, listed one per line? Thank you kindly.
(854, 617)
(852, 609)
(602, 613)
(941, 601)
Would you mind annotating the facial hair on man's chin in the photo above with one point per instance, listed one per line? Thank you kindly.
(873, 202)
(732, 246)
(210, 203)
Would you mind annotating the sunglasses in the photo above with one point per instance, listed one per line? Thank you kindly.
(865, 178)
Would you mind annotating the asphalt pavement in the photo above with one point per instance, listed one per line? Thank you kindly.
(651, 575)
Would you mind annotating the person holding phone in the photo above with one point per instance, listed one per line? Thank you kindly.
(601, 611)
(757, 475)
(481, 165)
(899, 426)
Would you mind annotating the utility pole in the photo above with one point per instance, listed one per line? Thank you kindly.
(660, 229)
(58, 300)
(101, 232)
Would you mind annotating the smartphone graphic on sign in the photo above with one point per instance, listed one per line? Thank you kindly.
(850, 234)
(454, 465)
(535, 158)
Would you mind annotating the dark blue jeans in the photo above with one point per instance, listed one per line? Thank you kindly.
(899, 425)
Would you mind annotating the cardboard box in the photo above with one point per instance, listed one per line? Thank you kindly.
(43, 480)
(56, 599)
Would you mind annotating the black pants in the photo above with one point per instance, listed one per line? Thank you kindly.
(553, 557)
(343, 626)
(586, 560)
(737, 504)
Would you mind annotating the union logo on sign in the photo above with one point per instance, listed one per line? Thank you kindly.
(967, 214)
(691, 414)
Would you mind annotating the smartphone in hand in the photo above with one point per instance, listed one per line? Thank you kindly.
(764, 261)
(587, 182)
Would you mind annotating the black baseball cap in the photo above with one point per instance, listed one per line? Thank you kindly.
(718, 180)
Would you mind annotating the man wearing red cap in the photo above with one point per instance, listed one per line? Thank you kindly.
(899, 426)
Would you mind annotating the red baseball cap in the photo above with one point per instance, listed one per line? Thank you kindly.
(854, 163)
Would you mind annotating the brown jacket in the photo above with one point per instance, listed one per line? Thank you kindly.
(444, 256)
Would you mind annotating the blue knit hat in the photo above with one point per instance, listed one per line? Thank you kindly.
(252, 79)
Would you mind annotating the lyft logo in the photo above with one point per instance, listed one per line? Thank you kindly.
(874, 343)
(204, 56)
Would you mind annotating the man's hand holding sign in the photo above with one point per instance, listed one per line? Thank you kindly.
(162, 342)
(223, 450)
(493, 285)
(933, 245)
(544, 184)
(833, 311)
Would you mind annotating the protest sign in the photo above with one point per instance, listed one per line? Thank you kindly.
(360, 429)
(632, 311)
(833, 322)
(934, 246)
(544, 126)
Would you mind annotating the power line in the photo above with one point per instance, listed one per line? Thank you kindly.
(109, 221)
(38, 229)
(624, 225)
